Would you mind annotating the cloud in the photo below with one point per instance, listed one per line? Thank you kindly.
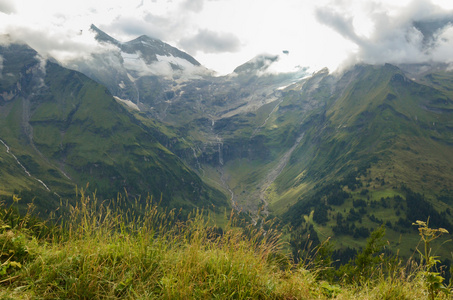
(152, 25)
(64, 45)
(192, 5)
(342, 24)
(419, 32)
(208, 41)
(7, 6)
(56, 31)
(167, 26)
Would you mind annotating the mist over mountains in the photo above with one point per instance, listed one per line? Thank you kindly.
(420, 32)
(328, 153)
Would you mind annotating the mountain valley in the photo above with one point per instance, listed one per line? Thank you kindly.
(328, 154)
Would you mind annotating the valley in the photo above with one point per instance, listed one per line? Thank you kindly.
(328, 154)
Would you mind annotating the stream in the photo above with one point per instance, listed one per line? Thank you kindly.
(22, 166)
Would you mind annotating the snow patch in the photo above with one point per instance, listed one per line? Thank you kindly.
(283, 87)
(128, 103)
(131, 78)
(175, 60)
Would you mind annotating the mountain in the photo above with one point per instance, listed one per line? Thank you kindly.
(137, 71)
(378, 150)
(61, 129)
(149, 49)
(338, 153)
(196, 108)
(329, 154)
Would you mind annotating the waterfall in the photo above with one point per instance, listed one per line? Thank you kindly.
(220, 148)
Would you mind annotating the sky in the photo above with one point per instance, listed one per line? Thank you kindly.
(223, 34)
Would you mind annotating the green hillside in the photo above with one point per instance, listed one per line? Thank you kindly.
(378, 151)
(67, 130)
(328, 155)
(342, 152)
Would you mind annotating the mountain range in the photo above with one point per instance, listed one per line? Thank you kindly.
(329, 154)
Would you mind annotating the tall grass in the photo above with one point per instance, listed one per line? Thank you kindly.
(100, 251)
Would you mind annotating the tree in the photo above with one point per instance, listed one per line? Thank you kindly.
(367, 261)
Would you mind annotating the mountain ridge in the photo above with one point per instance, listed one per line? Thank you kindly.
(68, 130)
(328, 153)
(150, 47)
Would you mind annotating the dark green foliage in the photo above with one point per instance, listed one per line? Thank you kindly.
(366, 263)
(375, 220)
(332, 194)
(343, 256)
(337, 197)
(320, 214)
(304, 242)
(351, 181)
(361, 232)
(359, 203)
(420, 209)
(353, 215)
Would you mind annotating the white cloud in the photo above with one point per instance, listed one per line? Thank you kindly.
(443, 50)
(417, 32)
(208, 41)
(192, 5)
(223, 34)
(7, 6)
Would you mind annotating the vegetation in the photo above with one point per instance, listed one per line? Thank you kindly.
(330, 156)
(64, 129)
(99, 251)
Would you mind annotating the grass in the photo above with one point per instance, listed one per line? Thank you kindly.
(375, 120)
(99, 251)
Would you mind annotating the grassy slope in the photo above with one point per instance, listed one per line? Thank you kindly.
(388, 129)
(379, 125)
(78, 129)
(95, 254)
(112, 139)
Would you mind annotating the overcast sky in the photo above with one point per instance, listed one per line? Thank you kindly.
(222, 34)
